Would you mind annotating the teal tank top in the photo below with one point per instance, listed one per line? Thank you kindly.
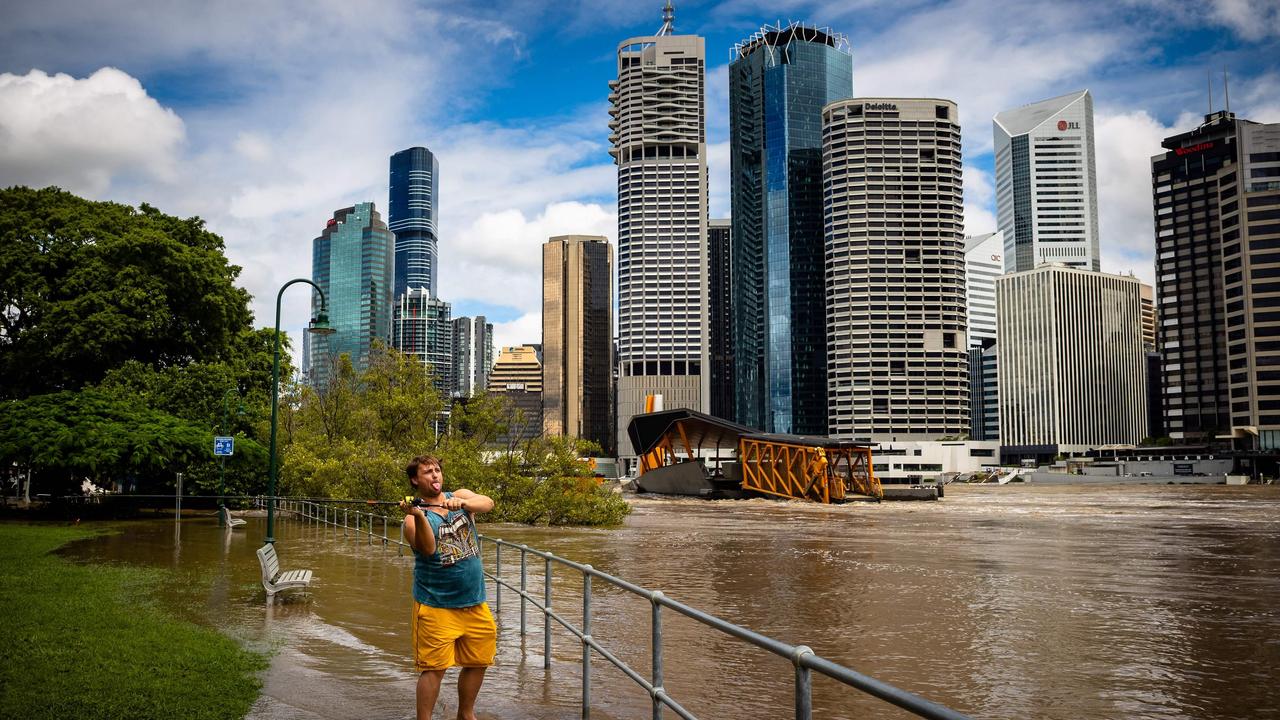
(452, 576)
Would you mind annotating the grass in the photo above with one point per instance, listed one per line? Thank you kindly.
(88, 641)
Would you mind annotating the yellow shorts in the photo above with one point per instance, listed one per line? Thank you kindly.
(444, 637)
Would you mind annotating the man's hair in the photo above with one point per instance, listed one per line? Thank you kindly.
(411, 470)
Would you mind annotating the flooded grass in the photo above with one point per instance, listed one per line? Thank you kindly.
(91, 641)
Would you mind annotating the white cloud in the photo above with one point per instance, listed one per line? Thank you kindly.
(524, 330)
(979, 195)
(1252, 19)
(79, 134)
(1124, 143)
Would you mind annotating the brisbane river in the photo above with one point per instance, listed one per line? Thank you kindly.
(1062, 602)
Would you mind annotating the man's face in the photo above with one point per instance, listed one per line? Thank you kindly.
(430, 480)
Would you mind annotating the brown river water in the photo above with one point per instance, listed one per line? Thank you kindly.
(1000, 602)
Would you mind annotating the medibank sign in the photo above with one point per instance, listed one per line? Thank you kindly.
(1192, 149)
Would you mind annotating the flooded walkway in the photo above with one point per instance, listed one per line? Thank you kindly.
(1010, 602)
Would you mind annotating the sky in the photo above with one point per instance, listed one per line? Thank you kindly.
(264, 117)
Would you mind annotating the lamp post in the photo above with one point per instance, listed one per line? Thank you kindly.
(320, 326)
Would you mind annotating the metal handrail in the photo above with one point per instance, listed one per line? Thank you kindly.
(802, 658)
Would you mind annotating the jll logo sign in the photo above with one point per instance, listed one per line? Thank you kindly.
(1064, 125)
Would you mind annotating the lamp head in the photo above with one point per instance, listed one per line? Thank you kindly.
(320, 325)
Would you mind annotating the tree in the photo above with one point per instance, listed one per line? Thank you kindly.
(87, 286)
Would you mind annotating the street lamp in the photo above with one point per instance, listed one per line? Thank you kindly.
(320, 326)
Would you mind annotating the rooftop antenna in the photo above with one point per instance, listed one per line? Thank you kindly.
(1208, 75)
(668, 20)
(1226, 88)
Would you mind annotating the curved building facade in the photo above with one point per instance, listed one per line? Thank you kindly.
(897, 362)
(412, 217)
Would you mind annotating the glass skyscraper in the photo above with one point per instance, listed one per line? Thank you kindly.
(351, 261)
(779, 82)
(415, 174)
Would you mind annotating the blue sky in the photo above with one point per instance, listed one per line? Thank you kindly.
(264, 117)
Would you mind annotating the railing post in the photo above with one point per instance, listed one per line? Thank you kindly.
(524, 584)
(586, 644)
(804, 684)
(655, 599)
(497, 579)
(344, 522)
(546, 617)
(384, 532)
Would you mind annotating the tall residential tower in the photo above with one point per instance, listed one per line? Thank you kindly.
(779, 81)
(412, 217)
(658, 137)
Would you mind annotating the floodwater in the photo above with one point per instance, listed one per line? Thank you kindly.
(1000, 602)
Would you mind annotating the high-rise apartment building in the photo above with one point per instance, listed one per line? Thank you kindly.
(352, 262)
(658, 137)
(984, 392)
(1047, 184)
(897, 364)
(720, 317)
(421, 328)
(415, 174)
(517, 378)
(779, 80)
(1217, 212)
(1072, 368)
(472, 355)
(577, 338)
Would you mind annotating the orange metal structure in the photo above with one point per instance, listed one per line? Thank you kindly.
(807, 472)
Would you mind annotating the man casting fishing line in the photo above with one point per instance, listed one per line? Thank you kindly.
(452, 624)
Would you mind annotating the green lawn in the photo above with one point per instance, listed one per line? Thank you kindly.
(88, 641)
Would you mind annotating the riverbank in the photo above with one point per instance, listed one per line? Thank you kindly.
(91, 641)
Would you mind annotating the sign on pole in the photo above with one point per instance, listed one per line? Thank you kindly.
(223, 446)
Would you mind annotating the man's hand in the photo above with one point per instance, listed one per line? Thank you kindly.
(455, 503)
(408, 508)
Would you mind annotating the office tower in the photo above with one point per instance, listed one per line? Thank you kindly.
(472, 355)
(779, 80)
(897, 365)
(984, 395)
(517, 377)
(720, 318)
(415, 174)
(1215, 192)
(1047, 183)
(1072, 369)
(352, 262)
(577, 338)
(1148, 317)
(658, 137)
(983, 263)
(421, 328)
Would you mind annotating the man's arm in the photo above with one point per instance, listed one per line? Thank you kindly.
(474, 503)
(414, 520)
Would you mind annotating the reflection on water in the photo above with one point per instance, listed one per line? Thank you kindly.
(1008, 602)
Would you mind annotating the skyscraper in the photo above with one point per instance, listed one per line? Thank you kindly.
(983, 263)
(352, 263)
(517, 377)
(658, 137)
(1047, 184)
(1216, 190)
(577, 338)
(720, 318)
(779, 81)
(415, 173)
(896, 354)
(1072, 366)
(421, 328)
(472, 355)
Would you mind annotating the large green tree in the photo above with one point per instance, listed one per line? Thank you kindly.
(87, 286)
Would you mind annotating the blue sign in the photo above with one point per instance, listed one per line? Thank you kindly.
(223, 446)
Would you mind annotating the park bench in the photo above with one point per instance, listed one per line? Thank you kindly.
(273, 581)
(228, 521)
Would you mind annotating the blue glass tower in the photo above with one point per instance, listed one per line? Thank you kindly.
(778, 83)
(351, 261)
(415, 175)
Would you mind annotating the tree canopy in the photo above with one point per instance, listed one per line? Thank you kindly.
(86, 286)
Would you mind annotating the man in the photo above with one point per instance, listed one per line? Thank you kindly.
(451, 621)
